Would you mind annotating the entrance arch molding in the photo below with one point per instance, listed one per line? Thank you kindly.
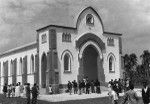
(92, 44)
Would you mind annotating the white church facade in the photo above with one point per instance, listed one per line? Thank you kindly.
(61, 54)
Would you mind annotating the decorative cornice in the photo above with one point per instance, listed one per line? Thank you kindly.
(111, 33)
(55, 26)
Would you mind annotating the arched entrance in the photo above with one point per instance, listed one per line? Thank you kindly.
(90, 67)
(43, 70)
(91, 62)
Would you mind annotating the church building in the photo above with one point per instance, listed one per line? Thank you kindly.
(61, 54)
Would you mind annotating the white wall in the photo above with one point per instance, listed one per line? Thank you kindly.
(19, 55)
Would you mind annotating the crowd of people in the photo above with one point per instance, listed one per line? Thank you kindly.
(19, 90)
(130, 95)
(84, 86)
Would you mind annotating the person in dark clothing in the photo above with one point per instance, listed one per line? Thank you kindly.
(34, 94)
(92, 87)
(69, 85)
(5, 89)
(98, 89)
(145, 93)
(80, 87)
(120, 85)
(112, 82)
(28, 93)
(87, 86)
(9, 90)
(83, 86)
(116, 89)
(75, 86)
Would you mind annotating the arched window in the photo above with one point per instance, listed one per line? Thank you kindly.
(20, 67)
(32, 64)
(110, 42)
(89, 19)
(67, 63)
(111, 64)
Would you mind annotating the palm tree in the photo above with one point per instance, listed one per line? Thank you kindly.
(146, 62)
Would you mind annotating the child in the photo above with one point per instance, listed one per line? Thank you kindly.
(50, 90)
(113, 96)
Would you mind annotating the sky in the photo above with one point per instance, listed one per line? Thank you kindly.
(19, 20)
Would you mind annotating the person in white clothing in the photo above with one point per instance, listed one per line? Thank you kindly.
(50, 89)
(17, 91)
(113, 96)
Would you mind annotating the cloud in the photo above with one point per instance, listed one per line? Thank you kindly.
(20, 18)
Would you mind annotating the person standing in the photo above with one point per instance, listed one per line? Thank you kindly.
(50, 89)
(113, 95)
(24, 89)
(17, 90)
(21, 90)
(69, 87)
(5, 89)
(75, 86)
(28, 93)
(13, 90)
(130, 96)
(34, 94)
(145, 93)
(87, 86)
(92, 87)
(9, 90)
(80, 87)
(98, 89)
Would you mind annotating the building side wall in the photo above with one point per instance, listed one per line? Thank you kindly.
(17, 56)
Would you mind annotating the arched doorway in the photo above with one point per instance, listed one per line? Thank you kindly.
(91, 62)
(90, 67)
(43, 70)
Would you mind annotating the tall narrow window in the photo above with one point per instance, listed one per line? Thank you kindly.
(32, 64)
(21, 67)
(67, 63)
(111, 64)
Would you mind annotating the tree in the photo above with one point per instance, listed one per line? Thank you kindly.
(146, 62)
(130, 64)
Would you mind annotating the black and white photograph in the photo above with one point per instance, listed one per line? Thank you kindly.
(74, 51)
